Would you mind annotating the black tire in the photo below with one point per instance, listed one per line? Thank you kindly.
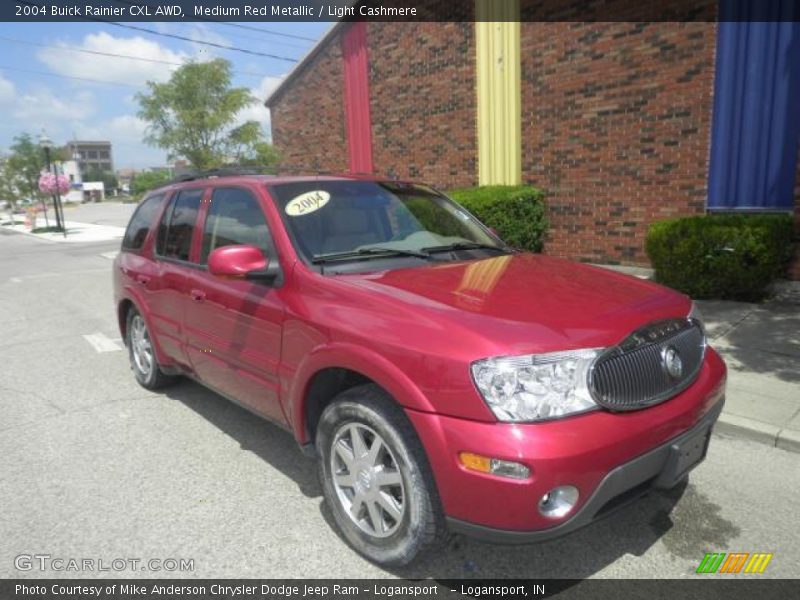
(422, 524)
(152, 378)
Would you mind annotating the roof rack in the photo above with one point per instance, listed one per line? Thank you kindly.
(222, 172)
(267, 170)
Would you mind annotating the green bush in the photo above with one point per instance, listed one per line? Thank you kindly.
(516, 212)
(721, 256)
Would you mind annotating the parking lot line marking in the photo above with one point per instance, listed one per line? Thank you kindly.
(103, 343)
(110, 255)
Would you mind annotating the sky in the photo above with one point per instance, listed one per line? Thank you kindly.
(37, 97)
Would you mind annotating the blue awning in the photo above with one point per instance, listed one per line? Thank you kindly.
(756, 122)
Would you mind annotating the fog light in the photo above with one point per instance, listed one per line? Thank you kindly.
(559, 501)
(494, 466)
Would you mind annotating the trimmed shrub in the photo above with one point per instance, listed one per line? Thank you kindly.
(516, 212)
(721, 256)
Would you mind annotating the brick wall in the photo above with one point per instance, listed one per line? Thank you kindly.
(616, 121)
(615, 125)
(422, 88)
(308, 117)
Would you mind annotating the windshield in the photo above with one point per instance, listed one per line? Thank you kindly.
(359, 220)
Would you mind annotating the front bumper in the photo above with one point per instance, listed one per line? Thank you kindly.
(609, 457)
(658, 469)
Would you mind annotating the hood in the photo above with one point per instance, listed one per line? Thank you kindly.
(528, 302)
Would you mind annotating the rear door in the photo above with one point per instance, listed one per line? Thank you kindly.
(134, 265)
(233, 327)
(166, 292)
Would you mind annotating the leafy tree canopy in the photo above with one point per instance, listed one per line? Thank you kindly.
(25, 163)
(107, 177)
(144, 182)
(194, 115)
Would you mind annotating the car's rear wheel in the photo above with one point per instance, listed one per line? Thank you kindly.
(142, 355)
(376, 479)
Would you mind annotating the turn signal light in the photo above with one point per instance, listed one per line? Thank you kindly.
(494, 466)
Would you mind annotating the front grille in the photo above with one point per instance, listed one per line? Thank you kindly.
(643, 370)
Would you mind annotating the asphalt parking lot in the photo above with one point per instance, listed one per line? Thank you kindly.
(93, 466)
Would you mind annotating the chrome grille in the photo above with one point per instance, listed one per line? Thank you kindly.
(642, 370)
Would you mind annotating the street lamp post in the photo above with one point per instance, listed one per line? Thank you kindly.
(46, 143)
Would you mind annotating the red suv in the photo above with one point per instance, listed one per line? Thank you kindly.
(443, 380)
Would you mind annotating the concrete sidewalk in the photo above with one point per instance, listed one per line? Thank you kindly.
(761, 345)
(76, 232)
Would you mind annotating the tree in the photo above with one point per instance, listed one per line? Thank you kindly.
(8, 188)
(107, 177)
(26, 163)
(144, 182)
(193, 115)
(261, 154)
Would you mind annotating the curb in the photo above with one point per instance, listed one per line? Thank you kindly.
(35, 236)
(59, 239)
(756, 431)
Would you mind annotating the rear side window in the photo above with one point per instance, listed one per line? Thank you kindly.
(234, 217)
(177, 225)
(140, 222)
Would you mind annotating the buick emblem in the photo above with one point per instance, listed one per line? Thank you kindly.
(671, 361)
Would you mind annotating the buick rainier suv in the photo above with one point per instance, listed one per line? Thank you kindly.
(443, 381)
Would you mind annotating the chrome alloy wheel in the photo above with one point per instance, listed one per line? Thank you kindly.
(142, 348)
(367, 480)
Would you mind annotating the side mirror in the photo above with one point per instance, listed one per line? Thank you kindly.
(242, 262)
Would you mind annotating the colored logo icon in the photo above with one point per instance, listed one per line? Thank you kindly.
(734, 562)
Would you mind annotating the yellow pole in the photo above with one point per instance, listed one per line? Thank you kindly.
(497, 42)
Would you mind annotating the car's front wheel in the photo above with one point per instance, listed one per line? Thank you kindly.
(141, 353)
(376, 478)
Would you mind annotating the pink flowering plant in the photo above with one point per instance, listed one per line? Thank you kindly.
(54, 184)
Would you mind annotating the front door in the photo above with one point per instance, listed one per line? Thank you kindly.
(233, 327)
(165, 290)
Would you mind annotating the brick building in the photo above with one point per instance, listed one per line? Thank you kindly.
(621, 123)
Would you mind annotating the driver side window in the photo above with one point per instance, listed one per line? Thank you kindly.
(234, 217)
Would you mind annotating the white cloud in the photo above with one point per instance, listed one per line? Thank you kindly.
(123, 130)
(257, 111)
(266, 87)
(125, 133)
(111, 68)
(8, 93)
(127, 127)
(55, 112)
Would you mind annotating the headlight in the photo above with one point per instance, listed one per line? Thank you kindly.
(696, 315)
(536, 387)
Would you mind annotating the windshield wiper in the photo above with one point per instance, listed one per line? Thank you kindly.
(370, 252)
(462, 246)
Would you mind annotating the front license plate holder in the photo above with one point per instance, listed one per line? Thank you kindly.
(685, 454)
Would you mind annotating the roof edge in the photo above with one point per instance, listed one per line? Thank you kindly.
(303, 62)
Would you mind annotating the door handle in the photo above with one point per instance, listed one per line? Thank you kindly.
(143, 279)
(197, 295)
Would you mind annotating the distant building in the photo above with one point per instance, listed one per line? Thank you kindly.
(124, 178)
(92, 155)
(71, 169)
(181, 167)
(93, 191)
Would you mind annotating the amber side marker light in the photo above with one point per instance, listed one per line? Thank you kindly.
(494, 466)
